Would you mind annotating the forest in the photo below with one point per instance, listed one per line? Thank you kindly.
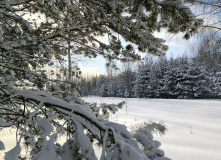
(186, 77)
(47, 116)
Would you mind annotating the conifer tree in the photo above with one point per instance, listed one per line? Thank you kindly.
(144, 79)
(102, 89)
(83, 88)
(171, 78)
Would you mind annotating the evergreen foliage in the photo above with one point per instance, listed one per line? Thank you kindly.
(175, 78)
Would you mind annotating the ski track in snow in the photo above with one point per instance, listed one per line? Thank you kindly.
(194, 130)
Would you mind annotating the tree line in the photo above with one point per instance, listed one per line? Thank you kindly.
(174, 78)
(194, 77)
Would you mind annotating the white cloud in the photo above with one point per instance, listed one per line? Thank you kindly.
(93, 66)
(92, 71)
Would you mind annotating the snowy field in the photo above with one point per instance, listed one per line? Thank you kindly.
(194, 126)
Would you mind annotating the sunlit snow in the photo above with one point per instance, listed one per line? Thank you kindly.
(193, 125)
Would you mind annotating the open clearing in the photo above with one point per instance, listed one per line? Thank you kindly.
(194, 126)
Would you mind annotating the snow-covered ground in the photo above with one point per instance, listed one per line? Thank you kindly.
(194, 126)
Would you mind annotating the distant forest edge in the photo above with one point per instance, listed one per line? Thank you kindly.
(198, 77)
(183, 78)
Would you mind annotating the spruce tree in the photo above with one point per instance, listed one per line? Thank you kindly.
(144, 79)
(102, 89)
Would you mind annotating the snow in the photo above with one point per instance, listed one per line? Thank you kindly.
(3, 123)
(13, 153)
(2, 146)
(193, 125)
(130, 153)
(144, 140)
(49, 151)
(85, 145)
(44, 126)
